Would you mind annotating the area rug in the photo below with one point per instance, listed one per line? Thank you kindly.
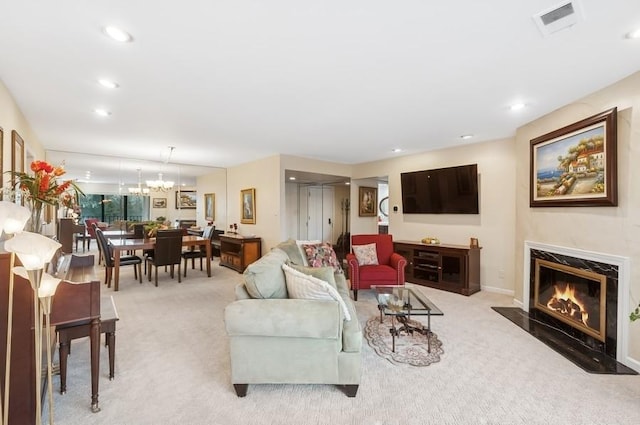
(410, 349)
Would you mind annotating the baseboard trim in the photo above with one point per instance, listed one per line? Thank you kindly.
(496, 290)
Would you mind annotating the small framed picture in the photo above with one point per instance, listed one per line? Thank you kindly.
(186, 200)
(368, 202)
(473, 243)
(248, 206)
(159, 202)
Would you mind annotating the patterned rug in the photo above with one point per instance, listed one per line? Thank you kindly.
(410, 349)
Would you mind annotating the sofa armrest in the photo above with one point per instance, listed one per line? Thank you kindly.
(284, 318)
(354, 271)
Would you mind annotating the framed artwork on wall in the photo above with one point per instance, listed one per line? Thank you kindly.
(17, 161)
(186, 200)
(248, 206)
(210, 206)
(368, 202)
(576, 165)
(159, 202)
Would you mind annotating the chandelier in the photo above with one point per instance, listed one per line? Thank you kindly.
(139, 190)
(160, 185)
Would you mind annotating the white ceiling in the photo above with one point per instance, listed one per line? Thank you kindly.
(227, 82)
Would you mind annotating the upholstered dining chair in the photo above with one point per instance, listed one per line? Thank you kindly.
(167, 252)
(125, 260)
(90, 228)
(373, 262)
(200, 252)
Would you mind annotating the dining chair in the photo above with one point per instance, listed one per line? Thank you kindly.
(167, 252)
(199, 252)
(125, 260)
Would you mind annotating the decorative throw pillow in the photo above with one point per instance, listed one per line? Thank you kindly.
(302, 253)
(302, 286)
(322, 273)
(366, 254)
(293, 251)
(322, 255)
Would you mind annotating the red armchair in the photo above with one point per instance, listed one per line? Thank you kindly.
(388, 271)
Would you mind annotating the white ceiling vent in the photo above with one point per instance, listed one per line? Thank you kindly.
(560, 17)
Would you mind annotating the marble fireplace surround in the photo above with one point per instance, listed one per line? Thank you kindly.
(623, 265)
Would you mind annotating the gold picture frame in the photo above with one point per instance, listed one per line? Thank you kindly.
(159, 202)
(17, 162)
(248, 206)
(210, 206)
(368, 202)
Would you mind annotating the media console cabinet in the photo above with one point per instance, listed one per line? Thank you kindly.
(454, 268)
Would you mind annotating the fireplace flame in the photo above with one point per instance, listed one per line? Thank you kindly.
(564, 301)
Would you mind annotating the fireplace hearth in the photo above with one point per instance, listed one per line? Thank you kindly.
(571, 304)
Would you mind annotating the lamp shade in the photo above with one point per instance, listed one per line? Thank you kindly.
(48, 283)
(33, 249)
(13, 217)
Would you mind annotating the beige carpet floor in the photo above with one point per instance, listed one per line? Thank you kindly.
(172, 367)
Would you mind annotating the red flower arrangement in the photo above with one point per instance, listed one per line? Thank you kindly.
(42, 188)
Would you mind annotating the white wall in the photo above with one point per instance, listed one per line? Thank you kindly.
(494, 226)
(216, 183)
(11, 118)
(611, 230)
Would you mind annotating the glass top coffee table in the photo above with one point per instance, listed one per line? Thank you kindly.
(401, 302)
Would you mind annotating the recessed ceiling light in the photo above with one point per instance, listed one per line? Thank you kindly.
(634, 34)
(517, 106)
(108, 83)
(466, 136)
(347, 183)
(117, 34)
(396, 150)
(102, 112)
(292, 178)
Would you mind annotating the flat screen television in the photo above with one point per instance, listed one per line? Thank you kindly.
(452, 190)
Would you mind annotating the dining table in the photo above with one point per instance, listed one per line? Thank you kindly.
(132, 244)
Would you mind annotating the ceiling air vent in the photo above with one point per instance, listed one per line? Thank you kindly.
(558, 18)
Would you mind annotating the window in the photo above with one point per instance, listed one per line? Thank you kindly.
(111, 208)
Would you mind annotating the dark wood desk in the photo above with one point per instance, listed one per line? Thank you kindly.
(72, 302)
(120, 245)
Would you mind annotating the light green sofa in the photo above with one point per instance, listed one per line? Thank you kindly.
(277, 340)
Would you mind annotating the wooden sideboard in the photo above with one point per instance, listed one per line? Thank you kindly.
(66, 231)
(237, 252)
(454, 268)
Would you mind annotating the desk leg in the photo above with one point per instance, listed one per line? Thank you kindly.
(64, 355)
(209, 255)
(116, 269)
(95, 363)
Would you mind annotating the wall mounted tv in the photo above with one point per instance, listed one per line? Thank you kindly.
(452, 190)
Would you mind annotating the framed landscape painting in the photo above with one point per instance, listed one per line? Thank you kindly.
(186, 200)
(159, 202)
(576, 165)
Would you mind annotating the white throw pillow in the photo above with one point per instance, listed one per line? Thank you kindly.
(366, 254)
(302, 286)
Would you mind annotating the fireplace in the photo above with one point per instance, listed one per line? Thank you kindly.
(575, 296)
(576, 302)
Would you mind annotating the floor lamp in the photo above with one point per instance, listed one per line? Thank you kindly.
(35, 252)
(13, 218)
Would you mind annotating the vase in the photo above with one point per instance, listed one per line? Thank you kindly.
(35, 223)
